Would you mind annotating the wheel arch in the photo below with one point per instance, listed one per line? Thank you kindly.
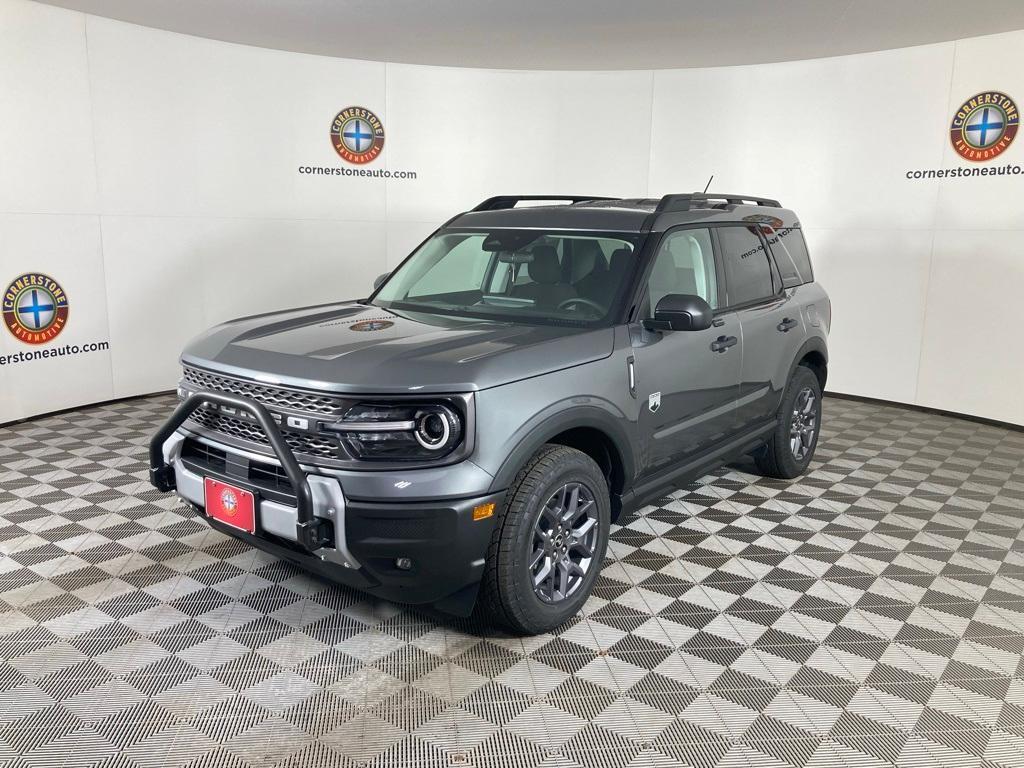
(812, 354)
(591, 430)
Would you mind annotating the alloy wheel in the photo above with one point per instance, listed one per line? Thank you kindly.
(564, 541)
(803, 424)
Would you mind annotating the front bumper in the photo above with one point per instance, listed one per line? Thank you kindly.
(356, 542)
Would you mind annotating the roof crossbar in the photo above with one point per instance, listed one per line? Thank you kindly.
(502, 202)
(684, 202)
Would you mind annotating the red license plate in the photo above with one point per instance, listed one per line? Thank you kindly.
(231, 506)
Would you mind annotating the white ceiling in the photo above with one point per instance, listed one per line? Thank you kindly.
(571, 34)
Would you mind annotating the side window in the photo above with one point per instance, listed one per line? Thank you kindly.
(461, 269)
(748, 271)
(790, 251)
(685, 264)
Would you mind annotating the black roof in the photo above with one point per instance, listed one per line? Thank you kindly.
(629, 214)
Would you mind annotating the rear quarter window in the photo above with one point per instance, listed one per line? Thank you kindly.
(790, 251)
(748, 270)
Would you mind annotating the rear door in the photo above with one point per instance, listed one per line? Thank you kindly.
(770, 321)
(686, 381)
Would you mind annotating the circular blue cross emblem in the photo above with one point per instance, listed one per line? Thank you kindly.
(357, 135)
(984, 126)
(35, 308)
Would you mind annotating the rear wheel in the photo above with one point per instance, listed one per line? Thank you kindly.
(548, 545)
(791, 446)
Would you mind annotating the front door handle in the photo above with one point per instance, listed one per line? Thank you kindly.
(722, 343)
(786, 324)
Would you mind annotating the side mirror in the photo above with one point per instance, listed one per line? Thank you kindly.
(380, 279)
(681, 312)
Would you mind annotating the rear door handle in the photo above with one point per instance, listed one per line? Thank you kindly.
(786, 324)
(722, 343)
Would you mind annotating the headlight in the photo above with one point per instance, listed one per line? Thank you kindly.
(397, 432)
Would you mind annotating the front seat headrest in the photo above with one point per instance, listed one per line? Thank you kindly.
(545, 268)
(587, 259)
(619, 261)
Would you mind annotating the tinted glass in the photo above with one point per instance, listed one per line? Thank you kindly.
(748, 272)
(462, 269)
(790, 251)
(515, 275)
(685, 264)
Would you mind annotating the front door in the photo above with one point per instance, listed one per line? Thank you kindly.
(686, 382)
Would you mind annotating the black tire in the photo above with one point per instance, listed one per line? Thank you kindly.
(507, 594)
(776, 458)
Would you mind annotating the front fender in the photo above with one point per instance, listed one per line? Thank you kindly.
(572, 413)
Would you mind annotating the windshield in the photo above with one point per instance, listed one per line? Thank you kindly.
(522, 276)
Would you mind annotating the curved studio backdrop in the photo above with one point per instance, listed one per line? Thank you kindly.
(156, 178)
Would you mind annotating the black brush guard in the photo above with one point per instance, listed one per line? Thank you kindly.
(310, 531)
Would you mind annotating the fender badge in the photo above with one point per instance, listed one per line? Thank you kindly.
(654, 402)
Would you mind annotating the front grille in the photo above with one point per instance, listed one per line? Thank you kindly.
(300, 442)
(207, 459)
(330, 406)
(270, 476)
(206, 455)
(276, 398)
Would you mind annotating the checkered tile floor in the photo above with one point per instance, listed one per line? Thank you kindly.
(870, 614)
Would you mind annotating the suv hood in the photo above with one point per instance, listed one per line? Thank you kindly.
(365, 349)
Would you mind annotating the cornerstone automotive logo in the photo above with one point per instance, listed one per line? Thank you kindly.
(370, 325)
(984, 126)
(35, 308)
(357, 135)
(229, 502)
(759, 218)
(769, 224)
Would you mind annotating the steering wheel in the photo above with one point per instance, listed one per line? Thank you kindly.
(584, 301)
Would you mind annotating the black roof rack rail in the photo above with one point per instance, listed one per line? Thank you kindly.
(509, 201)
(684, 202)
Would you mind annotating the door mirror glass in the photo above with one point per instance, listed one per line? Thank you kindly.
(380, 280)
(681, 312)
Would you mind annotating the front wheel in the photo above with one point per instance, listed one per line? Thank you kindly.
(791, 445)
(548, 545)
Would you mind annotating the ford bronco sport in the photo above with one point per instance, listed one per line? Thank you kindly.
(468, 433)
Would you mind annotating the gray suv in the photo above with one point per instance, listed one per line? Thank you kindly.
(467, 434)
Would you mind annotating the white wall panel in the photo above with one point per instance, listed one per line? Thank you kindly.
(481, 133)
(825, 137)
(984, 202)
(154, 272)
(253, 267)
(403, 237)
(185, 152)
(972, 356)
(212, 270)
(66, 248)
(877, 280)
(46, 164)
(193, 127)
(11, 407)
